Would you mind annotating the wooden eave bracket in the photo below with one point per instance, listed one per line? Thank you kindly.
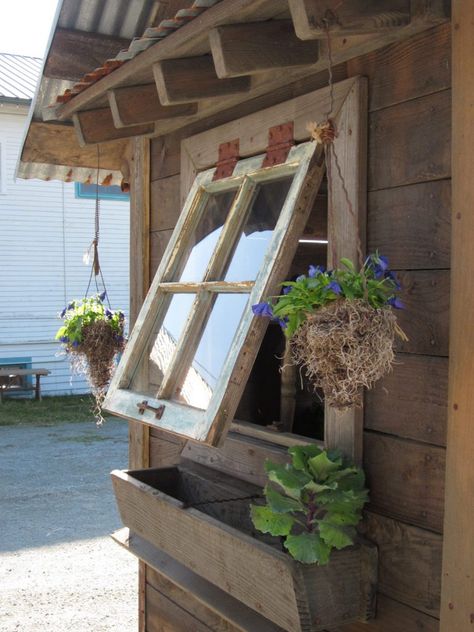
(312, 18)
(280, 141)
(228, 158)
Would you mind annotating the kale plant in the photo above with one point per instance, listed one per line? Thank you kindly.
(314, 503)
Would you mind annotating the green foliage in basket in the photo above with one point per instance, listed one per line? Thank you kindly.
(80, 313)
(314, 503)
(374, 282)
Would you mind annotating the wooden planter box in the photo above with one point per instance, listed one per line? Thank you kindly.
(200, 517)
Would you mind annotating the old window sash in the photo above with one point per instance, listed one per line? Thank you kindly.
(130, 385)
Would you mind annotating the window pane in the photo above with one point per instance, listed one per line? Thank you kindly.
(205, 237)
(258, 230)
(212, 351)
(159, 352)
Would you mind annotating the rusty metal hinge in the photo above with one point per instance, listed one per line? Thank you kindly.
(144, 405)
(228, 158)
(280, 141)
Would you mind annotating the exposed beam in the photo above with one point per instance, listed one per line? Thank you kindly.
(75, 53)
(244, 49)
(193, 79)
(97, 126)
(135, 105)
(351, 17)
(179, 43)
(57, 144)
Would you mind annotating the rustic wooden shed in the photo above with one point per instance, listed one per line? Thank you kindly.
(234, 83)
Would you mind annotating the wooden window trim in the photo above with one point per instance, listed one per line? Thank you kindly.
(306, 166)
(350, 113)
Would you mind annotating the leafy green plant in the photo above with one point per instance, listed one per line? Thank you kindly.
(374, 282)
(81, 313)
(314, 503)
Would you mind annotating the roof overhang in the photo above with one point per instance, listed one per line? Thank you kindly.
(207, 60)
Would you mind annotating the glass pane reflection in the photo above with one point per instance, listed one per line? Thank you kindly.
(162, 345)
(212, 351)
(205, 237)
(258, 230)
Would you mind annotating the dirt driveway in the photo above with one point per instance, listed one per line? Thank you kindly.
(59, 570)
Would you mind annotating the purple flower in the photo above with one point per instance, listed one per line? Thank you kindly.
(63, 313)
(315, 271)
(287, 289)
(283, 323)
(75, 343)
(121, 316)
(102, 295)
(108, 313)
(396, 302)
(118, 337)
(71, 305)
(64, 339)
(262, 309)
(391, 275)
(335, 287)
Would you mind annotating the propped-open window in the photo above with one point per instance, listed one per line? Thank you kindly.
(196, 337)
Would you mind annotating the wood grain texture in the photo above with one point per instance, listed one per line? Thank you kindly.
(411, 402)
(55, 144)
(97, 126)
(241, 49)
(409, 562)
(73, 53)
(425, 318)
(406, 479)
(207, 603)
(165, 615)
(165, 156)
(134, 105)
(406, 70)
(393, 616)
(410, 142)
(349, 18)
(165, 450)
(158, 242)
(346, 235)
(165, 203)
(186, 80)
(457, 611)
(419, 216)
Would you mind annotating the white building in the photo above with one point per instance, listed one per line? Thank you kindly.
(45, 228)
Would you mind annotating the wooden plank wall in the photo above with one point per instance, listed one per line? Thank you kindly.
(409, 222)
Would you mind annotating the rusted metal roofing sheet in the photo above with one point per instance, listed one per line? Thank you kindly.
(18, 77)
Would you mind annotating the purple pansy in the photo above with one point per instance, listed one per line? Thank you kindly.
(64, 339)
(396, 302)
(287, 289)
(315, 271)
(71, 305)
(108, 313)
(75, 343)
(63, 313)
(262, 309)
(335, 287)
(391, 275)
(102, 295)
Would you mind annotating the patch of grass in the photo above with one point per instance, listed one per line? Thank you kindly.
(49, 412)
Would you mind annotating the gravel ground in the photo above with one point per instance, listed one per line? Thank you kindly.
(59, 570)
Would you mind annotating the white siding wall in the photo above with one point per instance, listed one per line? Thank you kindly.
(44, 232)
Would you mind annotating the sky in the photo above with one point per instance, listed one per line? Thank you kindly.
(25, 26)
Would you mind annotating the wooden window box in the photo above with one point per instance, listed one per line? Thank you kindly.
(200, 517)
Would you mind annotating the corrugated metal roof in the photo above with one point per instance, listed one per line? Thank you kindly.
(18, 76)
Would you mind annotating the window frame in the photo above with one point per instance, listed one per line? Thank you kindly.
(306, 163)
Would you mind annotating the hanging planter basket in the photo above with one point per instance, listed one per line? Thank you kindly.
(345, 346)
(92, 336)
(341, 326)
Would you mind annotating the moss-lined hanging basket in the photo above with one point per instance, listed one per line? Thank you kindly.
(341, 326)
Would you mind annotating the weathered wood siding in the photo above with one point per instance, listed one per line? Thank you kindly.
(405, 415)
(44, 232)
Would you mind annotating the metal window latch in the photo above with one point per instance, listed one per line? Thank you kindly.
(144, 405)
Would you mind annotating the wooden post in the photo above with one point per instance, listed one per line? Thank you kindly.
(139, 437)
(457, 602)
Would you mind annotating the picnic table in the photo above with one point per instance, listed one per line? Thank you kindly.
(11, 385)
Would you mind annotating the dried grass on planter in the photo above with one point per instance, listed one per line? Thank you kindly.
(345, 346)
(95, 358)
